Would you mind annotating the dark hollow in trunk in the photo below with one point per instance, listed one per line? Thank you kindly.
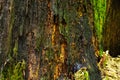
(111, 35)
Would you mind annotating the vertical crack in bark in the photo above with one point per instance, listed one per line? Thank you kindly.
(59, 44)
(33, 61)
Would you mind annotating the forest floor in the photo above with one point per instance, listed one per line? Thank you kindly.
(110, 68)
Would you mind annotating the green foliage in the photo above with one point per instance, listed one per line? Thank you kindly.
(14, 71)
(82, 74)
(99, 7)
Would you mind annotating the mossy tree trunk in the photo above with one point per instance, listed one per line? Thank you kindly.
(51, 36)
(22, 25)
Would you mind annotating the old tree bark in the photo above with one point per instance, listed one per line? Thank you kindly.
(49, 36)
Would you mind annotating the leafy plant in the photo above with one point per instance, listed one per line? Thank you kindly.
(82, 74)
(14, 72)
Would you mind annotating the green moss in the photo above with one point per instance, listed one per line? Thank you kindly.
(10, 29)
(15, 49)
(14, 71)
(99, 7)
(18, 71)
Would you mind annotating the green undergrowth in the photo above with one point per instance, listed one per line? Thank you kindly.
(13, 71)
(99, 12)
(82, 74)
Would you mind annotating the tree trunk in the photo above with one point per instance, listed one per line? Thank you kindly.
(51, 36)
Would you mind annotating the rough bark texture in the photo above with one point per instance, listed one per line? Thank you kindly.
(51, 36)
